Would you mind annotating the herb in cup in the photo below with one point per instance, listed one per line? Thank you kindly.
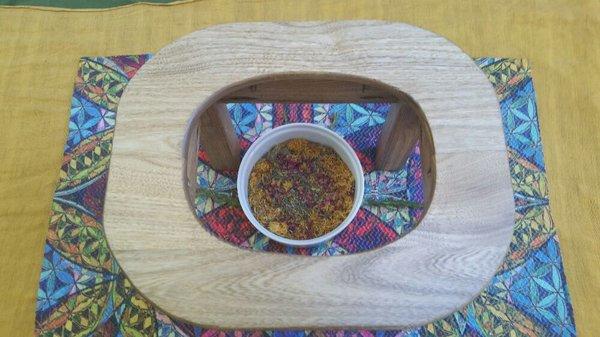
(301, 189)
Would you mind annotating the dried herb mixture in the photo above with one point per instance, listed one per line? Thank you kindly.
(301, 189)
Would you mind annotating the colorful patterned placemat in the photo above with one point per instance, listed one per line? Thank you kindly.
(83, 292)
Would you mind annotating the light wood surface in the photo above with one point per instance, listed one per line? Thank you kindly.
(437, 268)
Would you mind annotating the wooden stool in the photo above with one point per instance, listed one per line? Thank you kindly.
(439, 97)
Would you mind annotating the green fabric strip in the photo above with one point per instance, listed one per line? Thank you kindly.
(78, 4)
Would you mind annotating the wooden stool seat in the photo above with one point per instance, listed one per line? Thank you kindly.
(440, 98)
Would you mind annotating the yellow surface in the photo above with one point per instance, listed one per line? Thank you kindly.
(39, 51)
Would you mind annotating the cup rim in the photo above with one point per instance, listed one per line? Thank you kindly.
(355, 167)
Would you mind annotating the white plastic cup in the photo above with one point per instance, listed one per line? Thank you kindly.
(314, 133)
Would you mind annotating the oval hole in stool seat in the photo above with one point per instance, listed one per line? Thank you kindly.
(211, 130)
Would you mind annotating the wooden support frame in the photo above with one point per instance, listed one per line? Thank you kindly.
(401, 131)
(217, 137)
(325, 89)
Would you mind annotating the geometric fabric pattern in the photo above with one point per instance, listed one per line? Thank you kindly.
(83, 292)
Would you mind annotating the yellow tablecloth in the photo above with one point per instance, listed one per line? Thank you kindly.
(39, 50)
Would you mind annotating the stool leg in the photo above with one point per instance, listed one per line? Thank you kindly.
(217, 137)
(427, 164)
(191, 154)
(401, 132)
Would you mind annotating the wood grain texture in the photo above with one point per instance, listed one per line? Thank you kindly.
(434, 270)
